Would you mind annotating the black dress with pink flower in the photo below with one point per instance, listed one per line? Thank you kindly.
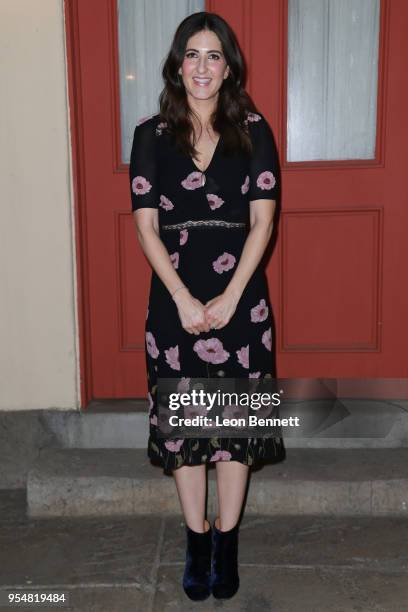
(204, 223)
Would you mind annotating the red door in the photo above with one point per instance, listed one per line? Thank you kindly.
(337, 271)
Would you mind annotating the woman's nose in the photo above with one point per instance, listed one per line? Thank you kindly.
(202, 64)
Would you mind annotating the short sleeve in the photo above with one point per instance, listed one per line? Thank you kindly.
(264, 177)
(143, 168)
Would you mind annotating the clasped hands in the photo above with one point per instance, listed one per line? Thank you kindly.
(196, 317)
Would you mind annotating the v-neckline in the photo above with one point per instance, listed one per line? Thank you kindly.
(211, 160)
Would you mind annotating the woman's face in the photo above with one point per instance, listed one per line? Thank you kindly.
(204, 66)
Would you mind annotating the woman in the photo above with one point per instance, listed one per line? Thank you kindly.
(203, 178)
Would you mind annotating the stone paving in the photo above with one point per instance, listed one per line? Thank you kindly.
(287, 564)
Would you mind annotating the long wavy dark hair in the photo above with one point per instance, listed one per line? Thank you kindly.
(234, 102)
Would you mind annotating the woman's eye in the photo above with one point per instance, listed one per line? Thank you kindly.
(192, 54)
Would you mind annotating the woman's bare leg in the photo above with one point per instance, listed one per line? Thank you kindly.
(232, 479)
(191, 486)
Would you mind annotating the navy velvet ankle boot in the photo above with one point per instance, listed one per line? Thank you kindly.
(197, 572)
(224, 570)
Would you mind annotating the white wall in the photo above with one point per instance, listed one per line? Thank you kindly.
(38, 344)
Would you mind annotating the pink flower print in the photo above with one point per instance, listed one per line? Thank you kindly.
(211, 350)
(266, 180)
(245, 186)
(174, 445)
(140, 185)
(221, 455)
(267, 339)
(253, 117)
(259, 312)
(151, 345)
(174, 257)
(254, 375)
(224, 262)
(243, 356)
(165, 203)
(153, 419)
(183, 385)
(183, 236)
(214, 201)
(160, 127)
(193, 180)
(172, 357)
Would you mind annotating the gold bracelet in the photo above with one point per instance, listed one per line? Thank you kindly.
(181, 287)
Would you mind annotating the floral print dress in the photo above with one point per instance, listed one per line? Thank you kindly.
(204, 223)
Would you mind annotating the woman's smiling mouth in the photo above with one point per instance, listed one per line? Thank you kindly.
(201, 81)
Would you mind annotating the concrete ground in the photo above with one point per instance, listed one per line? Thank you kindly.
(287, 564)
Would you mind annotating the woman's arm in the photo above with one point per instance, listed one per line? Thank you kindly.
(261, 223)
(147, 229)
(220, 309)
(191, 311)
(145, 195)
(263, 180)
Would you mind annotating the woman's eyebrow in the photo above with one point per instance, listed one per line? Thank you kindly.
(209, 51)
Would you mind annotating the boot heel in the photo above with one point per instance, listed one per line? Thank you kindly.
(224, 568)
(197, 572)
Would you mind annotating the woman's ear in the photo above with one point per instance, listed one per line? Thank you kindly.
(226, 73)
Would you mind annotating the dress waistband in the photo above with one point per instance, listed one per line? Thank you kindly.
(203, 223)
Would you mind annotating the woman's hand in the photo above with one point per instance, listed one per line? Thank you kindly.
(192, 313)
(220, 309)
